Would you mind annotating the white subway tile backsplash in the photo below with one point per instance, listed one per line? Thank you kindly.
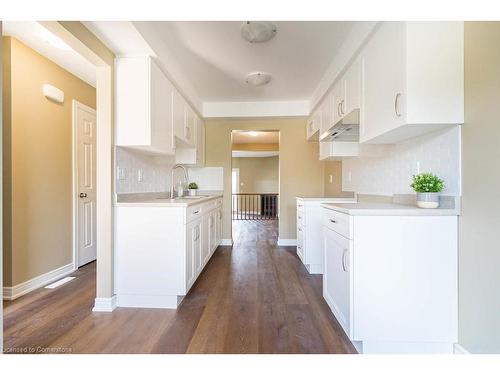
(391, 173)
(140, 173)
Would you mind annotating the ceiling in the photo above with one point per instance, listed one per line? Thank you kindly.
(217, 59)
(239, 137)
(37, 37)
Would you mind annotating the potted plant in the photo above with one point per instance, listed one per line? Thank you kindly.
(193, 187)
(427, 186)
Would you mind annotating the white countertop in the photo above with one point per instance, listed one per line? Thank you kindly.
(328, 199)
(387, 209)
(159, 201)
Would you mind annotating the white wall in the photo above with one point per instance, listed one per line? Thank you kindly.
(156, 177)
(391, 173)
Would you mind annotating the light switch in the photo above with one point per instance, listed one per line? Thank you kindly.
(349, 176)
(331, 178)
(140, 175)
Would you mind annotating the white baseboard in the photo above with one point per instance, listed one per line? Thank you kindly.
(226, 242)
(149, 302)
(459, 349)
(287, 242)
(105, 304)
(12, 292)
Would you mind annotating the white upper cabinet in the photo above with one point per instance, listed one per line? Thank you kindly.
(352, 83)
(413, 80)
(338, 103)
(184, 121)
(195, 153)
(313, 125)
(143, 106)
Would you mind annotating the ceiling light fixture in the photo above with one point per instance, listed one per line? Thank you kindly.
(258, 31)
(258, 79)
(253, 134)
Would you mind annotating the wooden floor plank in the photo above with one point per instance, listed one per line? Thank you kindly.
(254, 297)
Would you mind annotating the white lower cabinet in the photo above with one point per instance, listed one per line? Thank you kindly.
(160, 251)
(391, 281)
(337, 277)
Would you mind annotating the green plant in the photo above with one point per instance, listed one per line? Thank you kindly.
(193, 185)
(427, 183)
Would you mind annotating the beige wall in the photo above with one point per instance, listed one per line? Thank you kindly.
(479, 251)
(256, 146)
(38, 168)
(301, 173)
(258, 175)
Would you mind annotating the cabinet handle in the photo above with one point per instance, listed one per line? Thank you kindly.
(300, 230)
(333, 221)
(343, 260)
(396, 105)
(342, 107)
(339, 113)
(300, 217)
(196, 212)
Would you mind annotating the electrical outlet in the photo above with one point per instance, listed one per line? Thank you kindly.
(140, 175)
(418, 167)
(349, 176)
(121, 173)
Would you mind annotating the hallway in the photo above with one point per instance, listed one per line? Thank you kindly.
(253, 298)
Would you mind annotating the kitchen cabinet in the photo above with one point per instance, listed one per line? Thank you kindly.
(143, 106)
(195, 154)
(338, 102)
(329, 151)
(392, 289)
(313, 126)
(413, 80)
(310, 232)
(337, 277)
(183, 121)
(352, 96)
(161, 249)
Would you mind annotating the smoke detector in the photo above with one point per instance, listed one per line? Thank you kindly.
(258, 79)
(258, 31)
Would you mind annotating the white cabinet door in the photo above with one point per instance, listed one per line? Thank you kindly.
(178, 108)
(191, 234)
(338, 101)
(352, 79)
(383, 60)
(189, 135)
(200, 142)
(205, 243)
(219, 226)
(336, 278)
(162, 137)
(327, 113)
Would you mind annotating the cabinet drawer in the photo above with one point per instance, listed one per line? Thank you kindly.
(193, 213)
(338, 222)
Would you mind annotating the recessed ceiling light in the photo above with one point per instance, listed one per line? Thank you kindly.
(258, 79)
(258, 31)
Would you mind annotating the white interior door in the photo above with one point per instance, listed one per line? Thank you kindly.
(85, 144)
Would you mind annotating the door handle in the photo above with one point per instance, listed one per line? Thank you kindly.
(83, 195)
(343, 260)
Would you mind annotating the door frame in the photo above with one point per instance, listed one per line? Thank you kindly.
(74, 170)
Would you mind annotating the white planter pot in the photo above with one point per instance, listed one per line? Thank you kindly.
(192, 191)
(428, 200)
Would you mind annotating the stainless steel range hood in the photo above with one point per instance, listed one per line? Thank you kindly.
(345, 130)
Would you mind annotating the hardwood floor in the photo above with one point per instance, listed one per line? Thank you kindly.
(252, 298)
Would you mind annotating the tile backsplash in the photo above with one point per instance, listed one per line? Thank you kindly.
(391, 173)
(138, 172)
(141, 173)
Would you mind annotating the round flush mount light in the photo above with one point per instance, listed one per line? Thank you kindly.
(258, 79)
(258, 31)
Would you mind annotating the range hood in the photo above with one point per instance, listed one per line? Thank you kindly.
(345, 130)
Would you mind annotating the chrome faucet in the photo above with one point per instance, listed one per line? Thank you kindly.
(172, 177)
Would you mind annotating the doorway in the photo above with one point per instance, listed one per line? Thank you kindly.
(255, 178)
(84, 177)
